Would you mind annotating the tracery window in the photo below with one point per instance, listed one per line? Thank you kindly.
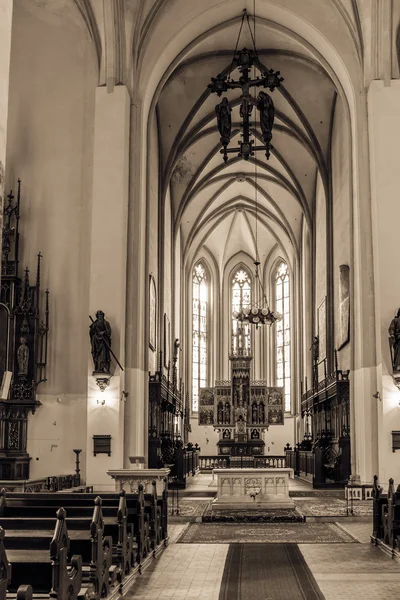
(199, 353)
(241, 298)
(282, 292)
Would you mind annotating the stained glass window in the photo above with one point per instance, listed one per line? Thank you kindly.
(241, 298)
(283, 331)
(199, 360)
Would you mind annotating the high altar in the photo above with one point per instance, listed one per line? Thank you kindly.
(241, 410)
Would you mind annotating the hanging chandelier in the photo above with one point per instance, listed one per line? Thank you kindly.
(244, 60)
(259, 313)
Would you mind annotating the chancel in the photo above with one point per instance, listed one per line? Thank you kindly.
(199, 301)
(240, 409)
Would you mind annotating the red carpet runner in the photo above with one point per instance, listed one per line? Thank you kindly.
(267, 572)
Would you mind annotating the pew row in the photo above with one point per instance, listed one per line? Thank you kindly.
(386, 517)
(98, 557)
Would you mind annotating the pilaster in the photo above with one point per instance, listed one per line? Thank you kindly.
(6, 11)
(105, 414)
(384, 135)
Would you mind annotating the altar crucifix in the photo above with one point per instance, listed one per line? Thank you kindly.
(241, 409)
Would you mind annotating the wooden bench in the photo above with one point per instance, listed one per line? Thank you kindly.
(135, 523)
(379, 500)
(48, 571)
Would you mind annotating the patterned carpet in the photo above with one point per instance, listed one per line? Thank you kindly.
(283, 515)
(189, 507)
(334, 507)
(264, 533)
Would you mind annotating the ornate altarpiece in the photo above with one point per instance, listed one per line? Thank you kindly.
(241, 409)
(23, 346)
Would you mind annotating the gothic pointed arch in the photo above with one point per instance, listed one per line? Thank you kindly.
(282, 289)
(241, 295)
(200, 328)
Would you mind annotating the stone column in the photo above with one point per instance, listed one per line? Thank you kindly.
(137, 378)
(105, 414)
(6, 9)
(384, 137)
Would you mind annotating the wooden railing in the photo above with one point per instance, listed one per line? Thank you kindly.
(208, 463)
(302, 462)
(54, 483)
(186, 465)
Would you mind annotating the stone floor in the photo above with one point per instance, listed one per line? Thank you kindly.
(193, 571)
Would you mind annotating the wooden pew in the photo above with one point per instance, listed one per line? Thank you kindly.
(105, 544)
(142, 517)
(95, 549)
(379, 500)
(391, 517)
(97, 553)
(5, 567)
(49, 572)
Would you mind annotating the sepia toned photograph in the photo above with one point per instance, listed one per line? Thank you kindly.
(199, 314)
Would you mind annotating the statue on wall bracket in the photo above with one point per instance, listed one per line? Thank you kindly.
(100, 340)
(394, 345)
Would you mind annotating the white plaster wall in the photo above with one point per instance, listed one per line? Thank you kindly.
(341, 189)
(277, 437)
(49, 147)
(57, 427)
(200, 434)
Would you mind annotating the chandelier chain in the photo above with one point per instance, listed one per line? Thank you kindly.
(237, 43)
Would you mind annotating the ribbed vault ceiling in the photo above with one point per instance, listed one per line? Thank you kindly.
(174, 47)
(215, 204)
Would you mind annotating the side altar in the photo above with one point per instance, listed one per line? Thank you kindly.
(241, 409)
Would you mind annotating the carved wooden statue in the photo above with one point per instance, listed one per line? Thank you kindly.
(224, 120)
(23, 358)
(394, 341)
(100, 339)
(267, 114)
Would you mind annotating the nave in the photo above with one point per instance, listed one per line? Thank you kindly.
(331, 555)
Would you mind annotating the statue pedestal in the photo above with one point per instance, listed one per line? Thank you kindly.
(129, 479)
(253, 489)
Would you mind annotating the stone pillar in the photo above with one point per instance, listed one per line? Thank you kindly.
(105, 414)
(137, 378)
(384, 136)
(363, 416)
(6, 9)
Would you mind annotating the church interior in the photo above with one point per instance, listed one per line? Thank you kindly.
(199, 318)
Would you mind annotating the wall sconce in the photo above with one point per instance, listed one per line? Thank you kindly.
(124, 395)
(102, 401)
(377, 396)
